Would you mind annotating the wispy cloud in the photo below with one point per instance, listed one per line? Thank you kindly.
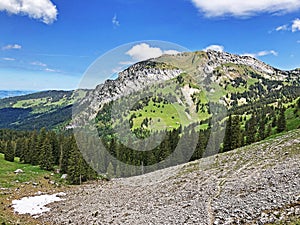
(12, 46)
(51, 70)
(238, 8)
(261, 53)
(282, 27)
(218, 48)
(115, 21)
(293, 26)
(8, 59)
(37, 63)
(144, 51)
(43, 10)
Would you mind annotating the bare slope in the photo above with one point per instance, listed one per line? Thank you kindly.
(257, 184)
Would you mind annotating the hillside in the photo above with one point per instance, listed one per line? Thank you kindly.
(257, 184)
(180, 104)
(51, 109)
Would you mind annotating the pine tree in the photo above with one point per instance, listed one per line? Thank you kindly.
(118, 170)
(19, 147)
(34, 150)
(228, 135)
(66, 146)
(250, 130)
(236, 133)
(262, 129)
(75, 168)
(55, 147)
(9, 154)
(281, 122)
(110, 171)
(46, 157)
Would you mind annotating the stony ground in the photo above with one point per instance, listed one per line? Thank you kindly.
(258, 184)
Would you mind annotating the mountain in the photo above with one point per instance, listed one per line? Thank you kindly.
(7, 94)
(222, 77)
(194, 81)
(178, 108)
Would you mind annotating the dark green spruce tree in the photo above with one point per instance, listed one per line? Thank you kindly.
(228, 135)
(9, 154)
(46, 156)
(281, 122)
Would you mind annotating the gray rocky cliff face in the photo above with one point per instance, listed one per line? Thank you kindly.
(131, 80)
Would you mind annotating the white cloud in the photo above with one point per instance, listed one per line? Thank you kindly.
(171, 52)
(261, 53)
(239, 8)
(144, 51)
(218, 48)
(8, 59)
(125, 63)
(281, 28)
(115, 21)
(37, 63)
(43, 10)
(296, 25)
(13, 46)
(51, 70)
(293, 26)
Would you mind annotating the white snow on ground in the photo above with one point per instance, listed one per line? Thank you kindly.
(35, 205)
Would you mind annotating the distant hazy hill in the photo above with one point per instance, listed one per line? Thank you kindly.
(7, 93)
(50, 109)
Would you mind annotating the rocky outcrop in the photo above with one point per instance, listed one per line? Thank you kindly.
(131, 80)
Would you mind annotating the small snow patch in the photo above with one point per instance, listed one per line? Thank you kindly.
(35, 205)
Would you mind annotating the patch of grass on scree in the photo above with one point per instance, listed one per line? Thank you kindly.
(15, 186)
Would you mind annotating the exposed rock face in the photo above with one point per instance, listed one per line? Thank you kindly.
(258, 184)
(219, 58)
(133, 79)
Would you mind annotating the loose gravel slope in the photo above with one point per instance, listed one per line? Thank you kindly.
(257, 184)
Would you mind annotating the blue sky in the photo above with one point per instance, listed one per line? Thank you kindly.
(49, 44)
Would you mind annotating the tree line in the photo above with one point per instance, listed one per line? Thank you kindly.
(59, 151)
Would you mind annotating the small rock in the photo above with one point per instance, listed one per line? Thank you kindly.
(61, 194)
(18, 171)
(64, 176)
(51, 182)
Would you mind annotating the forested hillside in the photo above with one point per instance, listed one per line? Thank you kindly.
(50, 109)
